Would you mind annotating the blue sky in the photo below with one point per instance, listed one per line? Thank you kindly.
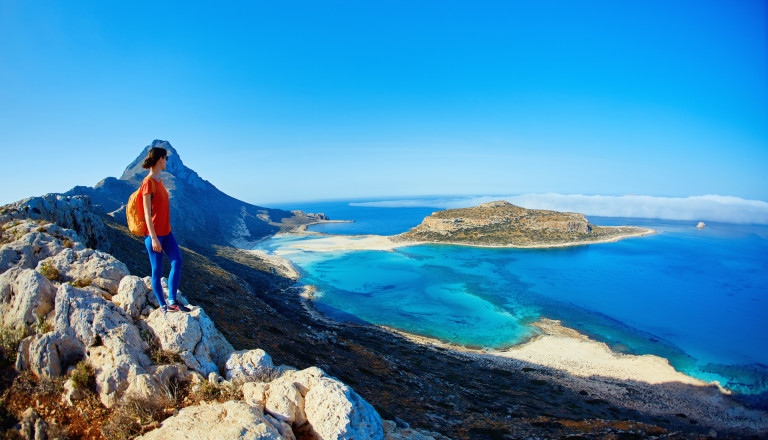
(302, 100)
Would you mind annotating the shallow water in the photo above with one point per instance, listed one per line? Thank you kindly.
(698, 297)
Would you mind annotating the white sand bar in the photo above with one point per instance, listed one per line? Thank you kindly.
(327, 243)
(646, 383)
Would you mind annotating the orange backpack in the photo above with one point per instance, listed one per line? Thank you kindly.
(134, 211)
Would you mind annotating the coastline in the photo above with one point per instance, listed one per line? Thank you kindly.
(646, 383)
(334, 242)
(563, 356)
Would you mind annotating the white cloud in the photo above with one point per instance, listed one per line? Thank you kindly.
(696, 208)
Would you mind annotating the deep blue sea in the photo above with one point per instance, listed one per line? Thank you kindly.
(698, 297)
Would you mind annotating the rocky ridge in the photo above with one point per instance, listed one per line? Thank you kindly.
(85, 306)
(505, 225)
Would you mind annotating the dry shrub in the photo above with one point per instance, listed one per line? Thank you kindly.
(42, 326)
(10, 337)
(84, 378)
(136, 415)
(219, 392)
(81, 283)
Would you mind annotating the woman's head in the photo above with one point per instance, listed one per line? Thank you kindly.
(155, 154)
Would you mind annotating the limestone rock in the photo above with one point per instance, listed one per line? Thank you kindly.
(220, 421)
(248, 363)
(25, 295)
(332, 409)
(33, 242)
(283, 428)
(194, 337)
(285, 402)
(99, 268)
(284, 397)
(32, 426)
(73, 212)
(254, 393)
(71, 393)
(88, 326)
(132, 295)
(335, 412)
(157, 381)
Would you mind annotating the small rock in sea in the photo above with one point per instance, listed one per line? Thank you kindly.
(701, 225)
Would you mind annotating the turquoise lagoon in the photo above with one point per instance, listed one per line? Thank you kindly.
(698, 297)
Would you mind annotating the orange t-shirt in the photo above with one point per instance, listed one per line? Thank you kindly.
(161, 211)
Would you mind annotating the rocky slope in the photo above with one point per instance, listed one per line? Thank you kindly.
(83, 307)
(506, 225)
(201, 215)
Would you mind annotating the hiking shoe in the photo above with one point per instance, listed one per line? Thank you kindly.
(178, 308)
(164, 309)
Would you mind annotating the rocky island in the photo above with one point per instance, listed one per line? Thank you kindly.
(502, 224)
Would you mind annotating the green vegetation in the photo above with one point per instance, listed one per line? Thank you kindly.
(9, 343)
(50, 272)
(81, 283)
(84, 378)
(42, 326)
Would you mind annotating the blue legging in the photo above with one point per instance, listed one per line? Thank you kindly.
(171, 249)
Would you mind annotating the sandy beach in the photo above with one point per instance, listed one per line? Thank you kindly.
(327, 243)
(645, 383)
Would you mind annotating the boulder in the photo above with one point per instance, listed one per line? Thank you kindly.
(32, 426)
(245, 364)
(157, 381)
(25, 295)
(132, 295)
(88, 326)
(331, 409)
(101, 269)
(284, 397)
(336, 412)
(219, 421)
(194, 337)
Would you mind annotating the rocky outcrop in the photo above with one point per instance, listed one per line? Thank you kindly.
(504, 224)
(229, 420)
(193, 337)
(67, 211)
(113, 324)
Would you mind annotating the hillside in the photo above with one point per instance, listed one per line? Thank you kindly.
(502, 224)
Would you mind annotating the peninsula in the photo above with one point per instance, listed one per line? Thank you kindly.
(502, 224)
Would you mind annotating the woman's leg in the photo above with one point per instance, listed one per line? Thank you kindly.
(171, 249)
(156, 261)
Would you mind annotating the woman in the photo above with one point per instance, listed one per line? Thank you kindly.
(157, 216)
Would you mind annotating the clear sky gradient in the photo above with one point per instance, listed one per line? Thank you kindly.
(301, 100)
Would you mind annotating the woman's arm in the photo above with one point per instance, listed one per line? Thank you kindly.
(156, 246)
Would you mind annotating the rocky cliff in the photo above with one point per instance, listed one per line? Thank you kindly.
(201, 215)
(84, 311)
(503, 224)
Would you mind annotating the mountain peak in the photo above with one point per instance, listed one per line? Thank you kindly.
(134, 172)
